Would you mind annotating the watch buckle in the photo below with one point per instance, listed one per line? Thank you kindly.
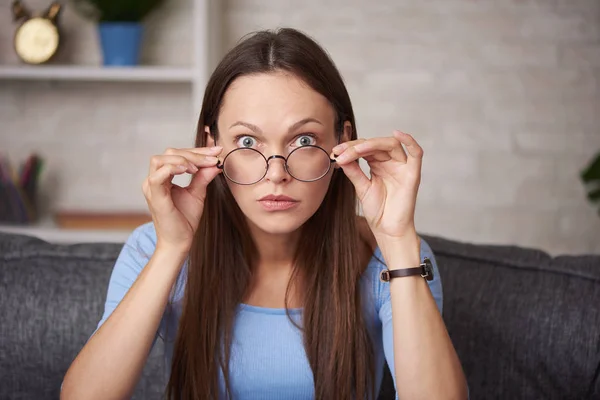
(384, 276)
(427, 269)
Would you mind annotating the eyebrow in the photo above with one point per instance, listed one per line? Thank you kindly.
(292, 128)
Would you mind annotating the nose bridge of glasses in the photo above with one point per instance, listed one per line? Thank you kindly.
(275, 156)
(283, 164)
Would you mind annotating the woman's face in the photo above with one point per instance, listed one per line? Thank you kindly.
(276, 113)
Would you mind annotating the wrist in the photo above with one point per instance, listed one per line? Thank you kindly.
(401, 252)
(165, 264)
(172, 251)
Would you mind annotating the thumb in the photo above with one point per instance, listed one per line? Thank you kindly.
(200, 181)
(358, 178)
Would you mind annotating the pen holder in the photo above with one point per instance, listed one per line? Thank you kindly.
(18, 192)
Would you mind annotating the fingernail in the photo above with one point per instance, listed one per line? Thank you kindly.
(211, 159)
(216, 148)
(193, 167)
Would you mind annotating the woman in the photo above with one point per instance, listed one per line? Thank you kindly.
(260, 277)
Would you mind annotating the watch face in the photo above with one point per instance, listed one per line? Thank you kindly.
(36, 40)
(428, 269)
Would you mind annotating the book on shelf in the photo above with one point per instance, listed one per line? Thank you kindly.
(18, 190)
(101, 220)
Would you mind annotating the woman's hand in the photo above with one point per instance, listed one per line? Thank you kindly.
(176, 210)
(388, 198)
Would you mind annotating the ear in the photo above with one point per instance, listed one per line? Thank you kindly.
(210, 138)
(19, 11)
(345, 136)
(346, 132)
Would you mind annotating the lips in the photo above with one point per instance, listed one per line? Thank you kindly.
(277, 202)
(273, 197)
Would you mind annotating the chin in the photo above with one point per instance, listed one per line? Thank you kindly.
(278, 222)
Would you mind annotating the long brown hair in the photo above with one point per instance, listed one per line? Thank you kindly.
(336, 337)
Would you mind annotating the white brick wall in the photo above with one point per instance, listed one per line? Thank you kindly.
(503, 95)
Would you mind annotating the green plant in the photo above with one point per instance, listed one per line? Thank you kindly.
(591, 178)
(115, 10)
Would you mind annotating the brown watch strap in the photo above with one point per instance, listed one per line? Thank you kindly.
(425, 270)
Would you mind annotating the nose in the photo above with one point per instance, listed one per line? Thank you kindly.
(276, 171)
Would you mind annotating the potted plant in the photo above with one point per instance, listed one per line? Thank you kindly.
(591, 178)
(119, 27)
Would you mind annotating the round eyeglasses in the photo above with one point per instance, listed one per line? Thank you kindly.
(247, 166)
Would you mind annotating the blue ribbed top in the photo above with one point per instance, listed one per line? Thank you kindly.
(268, 360)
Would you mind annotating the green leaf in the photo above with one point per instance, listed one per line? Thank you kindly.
(591, 178)
(115, 10)
(592, 171)
(594, 195)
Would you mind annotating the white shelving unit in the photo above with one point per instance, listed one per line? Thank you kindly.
(206, 46)
(102, 74)
(206, 41)
(48, 231)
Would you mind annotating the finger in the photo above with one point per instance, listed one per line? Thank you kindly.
(391, 145)
(374, 156)
(194, 154)
(415, 151)
(337, 150)
(358, 178)
(158, 182)
(346, 156)
(190, 160)
(208, 151)
(378, 156)
(203, 156)
(380, 149)
(200, 181)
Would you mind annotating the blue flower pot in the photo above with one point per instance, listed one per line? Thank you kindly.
(120, 42)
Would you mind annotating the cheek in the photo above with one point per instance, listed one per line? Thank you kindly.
(315, 192)
(241, 194)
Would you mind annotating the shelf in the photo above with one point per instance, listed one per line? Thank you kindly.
(93, 73)
(49, 232)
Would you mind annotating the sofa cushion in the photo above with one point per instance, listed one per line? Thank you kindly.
(52, 297)
(525, 325)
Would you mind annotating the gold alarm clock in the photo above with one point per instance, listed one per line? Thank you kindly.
(37, 38)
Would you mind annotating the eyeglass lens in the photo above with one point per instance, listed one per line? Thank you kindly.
(247, 166)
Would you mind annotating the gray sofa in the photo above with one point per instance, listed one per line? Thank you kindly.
(525, 325)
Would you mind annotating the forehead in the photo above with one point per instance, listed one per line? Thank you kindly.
(273, 101)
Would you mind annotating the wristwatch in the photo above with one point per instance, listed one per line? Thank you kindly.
(425, 270)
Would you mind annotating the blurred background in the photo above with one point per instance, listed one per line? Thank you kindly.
(503, 95)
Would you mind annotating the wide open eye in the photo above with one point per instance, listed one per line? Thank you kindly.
(245, 141)
(306, 139)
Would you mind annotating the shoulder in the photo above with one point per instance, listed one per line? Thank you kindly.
(134, 255)
(143, 237)
(143, 241)
(137, 251)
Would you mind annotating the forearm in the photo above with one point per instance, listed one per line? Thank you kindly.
(110, 364)
(425, 361)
